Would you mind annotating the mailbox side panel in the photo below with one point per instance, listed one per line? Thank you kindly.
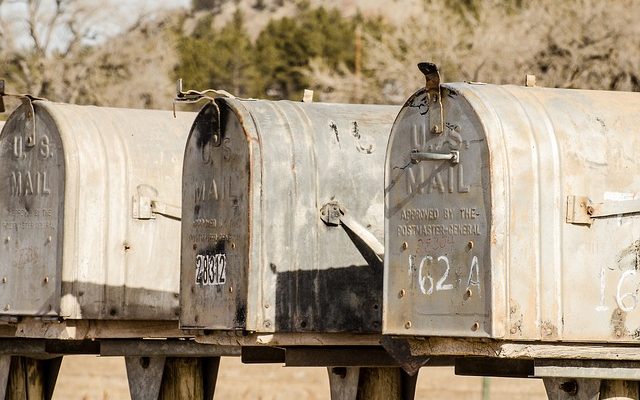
(32, 172)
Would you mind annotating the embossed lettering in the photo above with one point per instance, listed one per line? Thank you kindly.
(23, 184)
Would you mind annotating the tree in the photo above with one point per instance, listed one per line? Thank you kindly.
(287, 45)
(217, 59)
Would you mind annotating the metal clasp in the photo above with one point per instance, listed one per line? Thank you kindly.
(434, 98)
(580, 209)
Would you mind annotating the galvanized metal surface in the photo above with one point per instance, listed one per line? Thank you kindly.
(256, 254)
(70, 244)
(483, 248)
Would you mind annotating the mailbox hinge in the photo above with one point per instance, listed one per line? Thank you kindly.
(434, 96)
(580, 210)
(333, 214)
(146, 208)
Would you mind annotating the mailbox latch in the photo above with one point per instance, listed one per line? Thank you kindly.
(147, 208)
(333, 214)
(580, 210)
(434, 96)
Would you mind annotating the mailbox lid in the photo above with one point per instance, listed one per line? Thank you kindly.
(32, 171)
(437, 223)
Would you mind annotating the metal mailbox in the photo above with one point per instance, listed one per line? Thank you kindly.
(513, 212)
(283, 217)
(89, 212)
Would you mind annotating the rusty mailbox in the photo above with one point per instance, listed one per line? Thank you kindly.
(89, 212)
(513, 212)
(283, 217)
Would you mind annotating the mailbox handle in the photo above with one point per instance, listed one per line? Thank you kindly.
(417, 156)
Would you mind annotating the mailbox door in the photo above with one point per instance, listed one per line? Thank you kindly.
(32, 171)
(437, 271)
(215, 222)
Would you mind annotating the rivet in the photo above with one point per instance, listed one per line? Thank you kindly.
(407, 325)
(266, 306)
(475, 326)
(619, 312)
(513, 330)
(46, 279)
(401, 293)
(405, 245)
(195, 246)
(8, 239)
(267, 324)
(4, 279)
(467, 294)
(470, 244)
(233, 245)
(618, 332)
(230, 289)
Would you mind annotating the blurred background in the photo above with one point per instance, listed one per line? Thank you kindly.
(130, 54)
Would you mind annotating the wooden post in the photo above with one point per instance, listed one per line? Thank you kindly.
(371, 383)
(32, 378)
(189, 378)
(618, 390)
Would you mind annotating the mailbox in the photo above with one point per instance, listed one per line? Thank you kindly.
(89, 212)
(283, 217)
(513, 212)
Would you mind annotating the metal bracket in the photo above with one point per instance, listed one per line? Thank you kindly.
(333, 214)
(434, 97)
(417, 156)
(581, 210)
(146, 208)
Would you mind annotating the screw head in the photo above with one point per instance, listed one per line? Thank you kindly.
(405, 245)
(407, 325)
(475, 326)
(470, 244)
(46, 279)
(401, 293)
(4, 279)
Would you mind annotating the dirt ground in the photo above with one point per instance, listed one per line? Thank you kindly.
(104, 378)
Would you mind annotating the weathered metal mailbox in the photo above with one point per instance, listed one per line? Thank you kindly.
(282, 217)
(513, 213)
(89, 212)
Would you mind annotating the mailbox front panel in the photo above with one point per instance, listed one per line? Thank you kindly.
(437, 223)
(32, 171)
(215, 222)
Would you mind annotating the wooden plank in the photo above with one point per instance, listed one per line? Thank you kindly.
(538, 350)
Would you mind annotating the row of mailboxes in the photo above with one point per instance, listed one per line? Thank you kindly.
(508, 212)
